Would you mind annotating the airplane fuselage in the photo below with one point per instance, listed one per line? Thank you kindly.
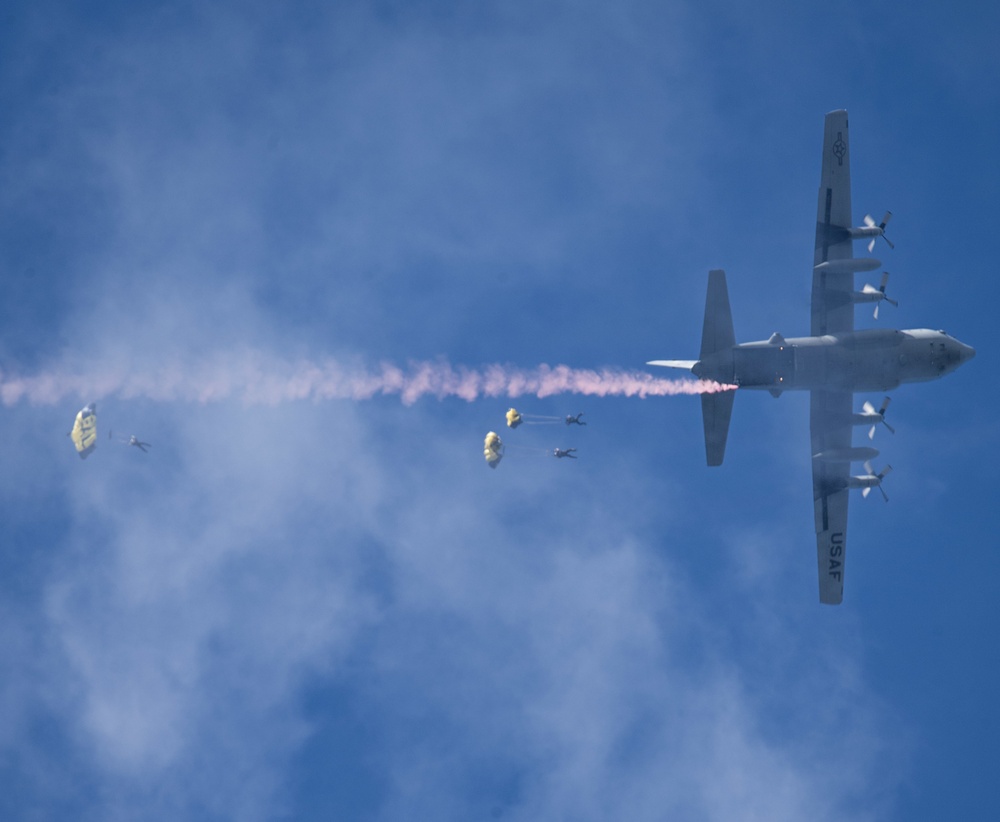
(856, 361)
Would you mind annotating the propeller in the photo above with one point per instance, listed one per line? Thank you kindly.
(870, 222)
(870, 289)
(869, 409)
(879, 476)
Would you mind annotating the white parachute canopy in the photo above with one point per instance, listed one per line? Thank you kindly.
(493, 449)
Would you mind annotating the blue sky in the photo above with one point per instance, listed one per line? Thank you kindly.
(333, 609)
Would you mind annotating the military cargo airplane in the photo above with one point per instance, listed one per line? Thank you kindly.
(832, 364)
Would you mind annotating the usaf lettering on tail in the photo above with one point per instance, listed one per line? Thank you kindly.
(833, 363)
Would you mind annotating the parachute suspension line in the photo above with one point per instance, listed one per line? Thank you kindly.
(527, 449)
(516, 418)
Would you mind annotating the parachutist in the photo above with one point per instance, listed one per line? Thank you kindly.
(559, 453)
(134, 440)
(571, 420)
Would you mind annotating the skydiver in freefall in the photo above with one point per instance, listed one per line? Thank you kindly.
(559, 453)
(571, 420)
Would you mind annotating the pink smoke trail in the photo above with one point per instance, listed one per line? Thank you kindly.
(254, 378)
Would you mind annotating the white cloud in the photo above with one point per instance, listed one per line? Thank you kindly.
(521, 644)
(517, 652)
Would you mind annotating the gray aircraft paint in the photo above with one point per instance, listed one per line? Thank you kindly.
(832, 364)
(872, 360)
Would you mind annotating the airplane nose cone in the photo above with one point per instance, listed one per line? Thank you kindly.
(967, 352)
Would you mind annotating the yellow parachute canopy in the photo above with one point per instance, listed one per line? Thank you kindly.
(493, 449)
(513, 418)
(84, 433)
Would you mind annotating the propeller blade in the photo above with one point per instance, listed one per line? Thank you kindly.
(886, 470)
(891, 429)
(871, 433)
(885, 496)
(868, 467)
(875, 312)
(868, 408)
(885, 279)
(869, 221)
(885, 405)
(871, 245)
(870, 289)
(883, 224)
(865, 492)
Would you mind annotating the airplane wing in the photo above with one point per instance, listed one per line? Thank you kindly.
(832, 309)
(832, 313)
(830, 430)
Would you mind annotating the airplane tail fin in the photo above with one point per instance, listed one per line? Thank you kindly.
(717, 335)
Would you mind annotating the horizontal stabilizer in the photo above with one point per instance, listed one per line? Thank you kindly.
(717, 339)
(717, 332)
(716, 411)
(687, 365)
